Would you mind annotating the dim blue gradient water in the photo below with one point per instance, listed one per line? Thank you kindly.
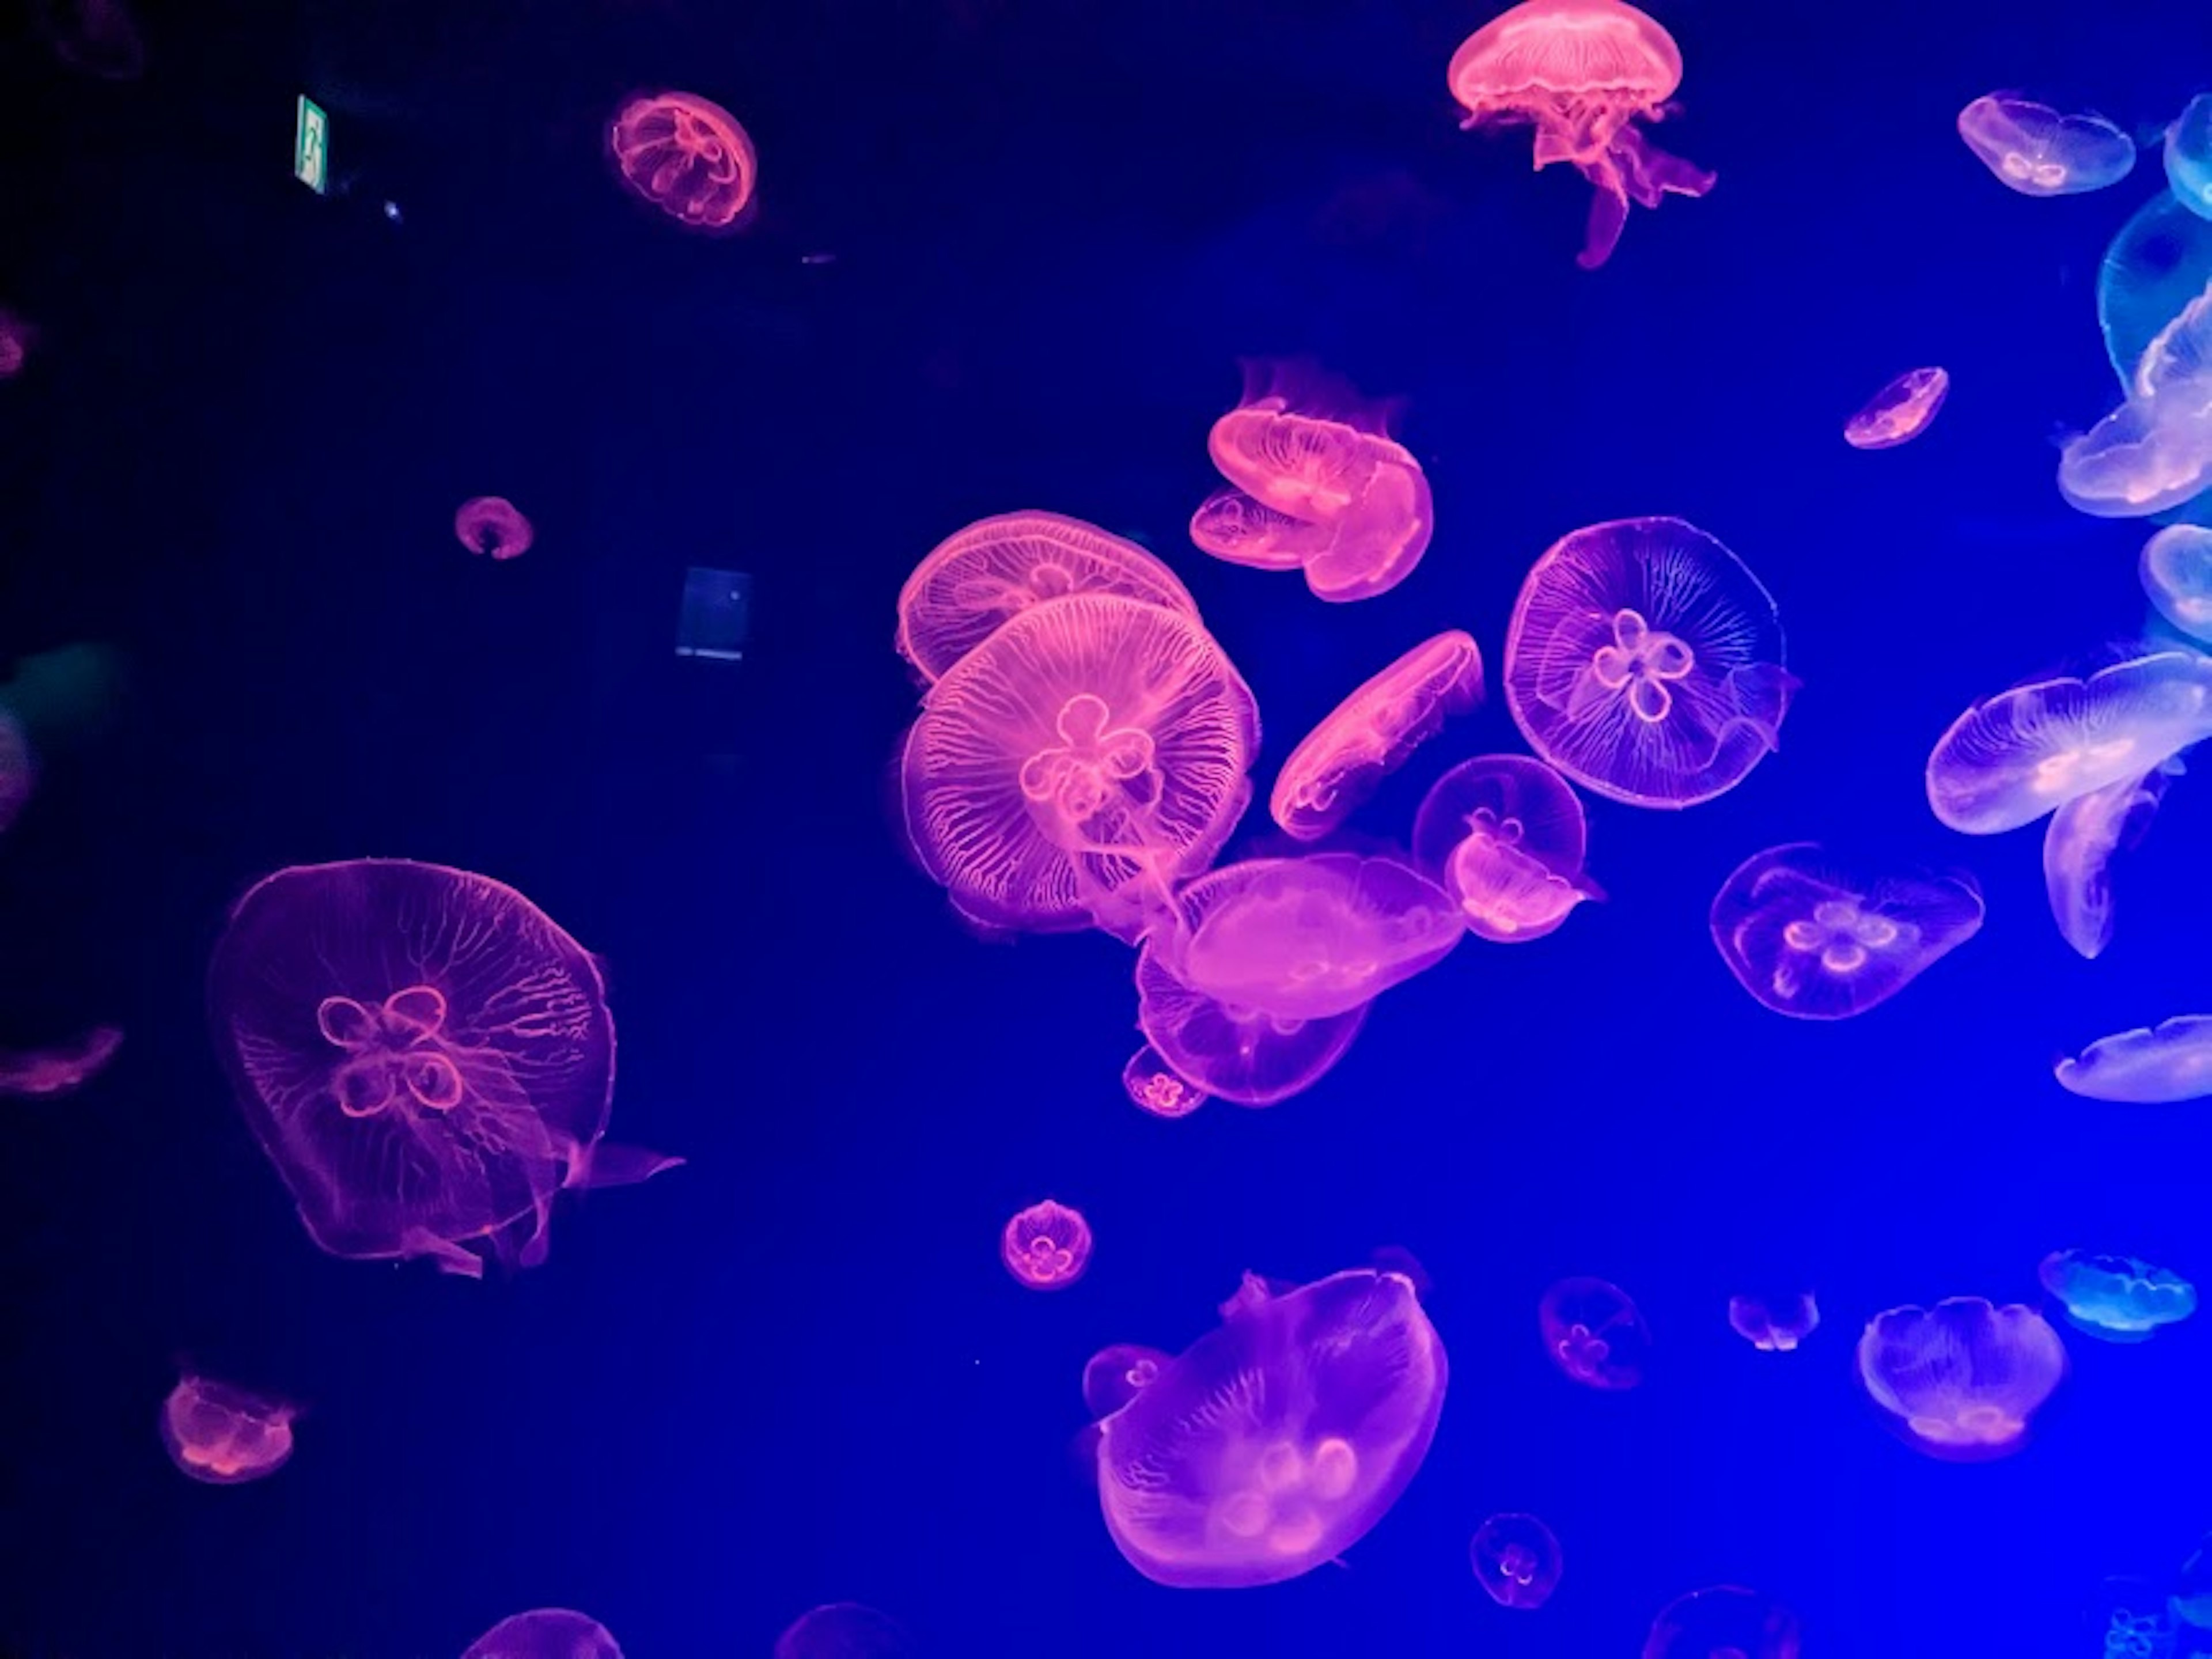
(793, 1371)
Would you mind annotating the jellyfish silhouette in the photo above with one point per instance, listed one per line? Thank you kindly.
(2160, 262)
(1278, 1440)
(58, 1070)
(1113, 1377)
(1045, 1246)
(1506, 837)
(1374, 731)
(224, 1435)
(2117, 1297)
(1774, 1323)
(1724, 1622)
(422, 1054)
(1900, 411)
(546, 1633)
(845, 1630)
(1152, 1085)
(1962, 1378)
(686, 156)
(490, 524)
(2084, 835)
(2170, 1062)
(2032, 148)
(2189, 157)
(1644, 661)
(1585, 72)
(16, 339)
(2176, 574)
(1516, 1560)
(1593, 1333)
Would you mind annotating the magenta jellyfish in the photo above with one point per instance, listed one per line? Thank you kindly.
(975, 579)
(1506, 836)
(2032, 148)
(2084, 835)
(16, 339)
(1963, 1378)
(1152, 1085)
(225, 1435)
(1724, 1622)
(845, 1630)
(1373, 732)
(1815, 939)
(60, 1069)
(1585, 72)
(1278, 1440)
(1900, 411)
(1045, 1246)
(424, 1055)
(686, 156)
(1593, 1333)
(2176, 574)
(1774, 1323)
(2189, 157)
(2117, 1297)
(1516, 1560)
(1113, 1377)
(490, 524)
(545, 1633)
(2146, 1067)
(2029, 751)
(1083, 757)
(1644, 661)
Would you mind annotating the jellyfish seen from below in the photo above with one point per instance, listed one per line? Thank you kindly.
(1517, 1561)
(1374, 731)
(1076, 763)
(1045, 1246)
(2029, 751)
(424, 1055)
(2161, 261)
(1593, 1333)
(57, 1071)
(1774, 1323)
(1724, 1622)
(490, 524)
(1900, 411)
(1961, 1379)
(2117, 1297)
(2189, 157)
(2078, 848)
(1584, 73)
(2176, 574)
(845, 1630)
(1812, 938)
(1113, 1377)
(2154, 1067)
(2032, 148)
(1152, 1085)
(1644, 661)
(224, 1435)
(1506, 837)
(545, 1633)
(1278, 1440)
(686, 156)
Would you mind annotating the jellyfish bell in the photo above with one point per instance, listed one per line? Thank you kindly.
(490, 524)
(1593, 1333)
(2161, 1065)
(687, 156)
(223, 1435)
(1516, 1560)
(1775, 1322)
(43, 1073)
(2034, 149)
(1960, 1381)
(2143, 458)
(845, 1630)
(2176, 568)
(1113, 1377)
(1045, 1246)
(2116, 1299)
(545, 1633)
(1900, 411)
(1724, 1622)
(16, 339)
(1506, 836)
(1153, 1085)
(2084, 836)
(2157, 264)
(2188, 154)
(1373, 732)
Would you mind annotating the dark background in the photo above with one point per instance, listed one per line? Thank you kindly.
(793, 1371)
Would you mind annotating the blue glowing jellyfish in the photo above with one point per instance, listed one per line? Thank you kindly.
(2117, 1297)
(2160, 262)
(2189, 157)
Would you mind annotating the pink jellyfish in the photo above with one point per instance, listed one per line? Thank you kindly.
(845, 1630)
(1113, 1377)
(1583, 71)
(16, 339)
(1151, 1084)
(1593, 1333)
(2157, 1066)
(1045, 1246)
(546, 1633)
(1900, 411)
(422, 1054)
(58, 1070)
(1506, 836)
(2084, 836)
(489, 523)
(2032, 148)
(976, 578)
(687, 156)
(1373, 732)
(1774, 1323)
(1724, 1622)
(1279, 1439)
(1644, 661)
(225, 1435)
(1085, 756)
(1517, 1561)
(1962, 1378)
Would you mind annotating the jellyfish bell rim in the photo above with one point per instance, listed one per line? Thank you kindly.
(1484, 42)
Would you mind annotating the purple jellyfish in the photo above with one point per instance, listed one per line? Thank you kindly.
(1593, 1333)
(224, 1435)
(58, 1070)
(19, 769)
(1506, 836)
(1812, 939)
(1644, 661)
(1152, 1085)
(1900, 411)
(1279, 1440)
(424, 1055)
(687, 156)
(16, 339)
(2032, 148)
(2154, 1067)
(490, 524)
(1113, 1377)
(1774, 1324)
(1045, 1246)
(845, 1630)
(2116, 1298)
(2078, 849)
(2177, 573)
(1724, 1622)
(1516, 1560)
(1962, 1378)
(1373, 732)
(547, 1633)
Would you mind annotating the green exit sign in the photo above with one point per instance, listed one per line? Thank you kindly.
(311, 146)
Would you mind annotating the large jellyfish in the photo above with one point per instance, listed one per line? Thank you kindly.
(1593, 1333)
(1045, 1246)
(1900, 411)
(2161, 261)
(845, 1630)
(687, 156)
(2078, 848)
(1372, 732)
(545, 1633)
(1516, 1560)
(425, 1056)
(490, 524)
(1644, 661)
(225, 1435)
(1584, 71)
(1278, 1440)
(1085, 755)
(2189, 157)
(1963, 1378)
(2034, 149)
(62, 1068)
(2117, 1297)
(2177, 573)
(1813, 939)
(1774, 1323)
(1724, 1622)
(2029, 751)
(1506, 837)
(2153, 1068)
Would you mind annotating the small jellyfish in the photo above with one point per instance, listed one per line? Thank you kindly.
(1112, 1376)
(1506, 836)
(2153, 1067)
(686, 156)
(490, 524)
(2177, 573)
(2117, 1297)
(1045, 1246)
(2155, 267)
(1593, 1333)
(1900, 411)
(845, 1630)
(2078, 849)
(1585, 72)
(1153, 1085)
(2032, 148)
(1516, 1560)
(225, 1435)
(1774, 1323)
(1962, 1378)
(1644, 661)
(1812, 939)
(1279, 1439)
(2189, 157)
(1724, 1622)
(546, 1633)
(57, 1071)
(1373, 732)
(16, 339)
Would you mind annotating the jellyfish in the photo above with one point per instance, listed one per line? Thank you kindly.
(1045, 1246)
(1593, 1333)
(224, 1435)
(1900, 411)
(2189, 157)
(1506, 837)
(2029, 751)
(546, 1633)
(1235, 527)
(1812, 938)
(1584, 72)
(1279, 1439)
(1774, 1323)
(16, 339)
(1373, 732)
(1153, 1085)
(2129, 1619)
(489, 523)
(424, 1055)
(2148, 456)
(2191, 1601)
(1962, 1378)
(1516, 1560)
(99, 38)
(2176, 574)
(2117, 1297)
(60, 1069)
(2032, 148)
(2153, 1067)
(2161, 261)
(1644, 661)
(1083, 757)
(1724, 1622)
(1113, 1377)
(845, 1630)
(19, 769)
(2078, 848)
(686, 156)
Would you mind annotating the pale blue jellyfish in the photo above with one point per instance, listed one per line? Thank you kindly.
(2116, 1298)
(2160, 262)
(2189, 157)
(2176, 576)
